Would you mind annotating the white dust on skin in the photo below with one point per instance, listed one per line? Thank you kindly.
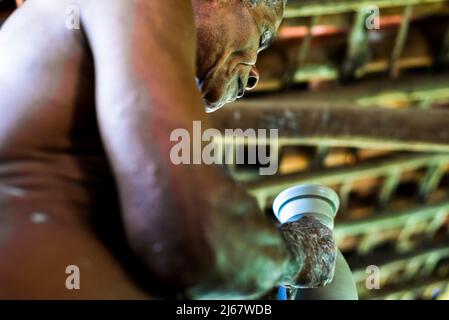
(7, 224)
(39, 217)
(11, 191)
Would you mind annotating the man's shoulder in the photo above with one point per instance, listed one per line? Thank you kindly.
(165, 28)
(159, 13)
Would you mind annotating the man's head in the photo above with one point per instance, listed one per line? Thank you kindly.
(230, 35)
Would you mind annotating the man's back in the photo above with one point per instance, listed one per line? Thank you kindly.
(47, 98)
(55, 181)
(88, 112)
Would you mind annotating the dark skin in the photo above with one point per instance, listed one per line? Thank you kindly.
(84, 143)
(228, 48)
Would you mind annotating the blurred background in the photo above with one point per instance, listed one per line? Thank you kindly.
(359, 91)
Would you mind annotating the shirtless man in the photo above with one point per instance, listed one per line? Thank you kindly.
(85, 173)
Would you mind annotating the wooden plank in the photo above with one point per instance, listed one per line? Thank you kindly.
(390, 220)
(400, 41)
(300, 8)
(268, 186)
(358, 45)
(352, 126)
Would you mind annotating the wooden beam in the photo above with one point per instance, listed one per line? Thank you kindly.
(269, 186)
(358, 45)
(365, 54)
(389, 268)
(431, 179)
(443, 57)
(390, 220)
(406, 91)
(418, 271)
(412, 291)
(400, 41)
(299, 8)
(301, 55)
(388, 187)
(352, 126)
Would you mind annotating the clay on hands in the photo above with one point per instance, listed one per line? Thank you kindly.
(313, 253)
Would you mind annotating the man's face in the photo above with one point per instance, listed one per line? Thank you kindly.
(231, 33)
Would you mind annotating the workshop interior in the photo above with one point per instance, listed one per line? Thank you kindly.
(359, 90)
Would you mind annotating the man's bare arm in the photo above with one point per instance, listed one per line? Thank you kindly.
(190, 224)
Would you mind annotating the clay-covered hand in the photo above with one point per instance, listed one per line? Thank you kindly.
(313, 253)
